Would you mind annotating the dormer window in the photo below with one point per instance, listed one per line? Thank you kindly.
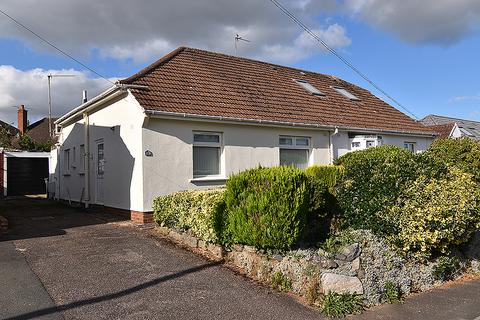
(346, 93)
(310, 88)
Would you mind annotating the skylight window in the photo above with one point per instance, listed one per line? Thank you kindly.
(307, 86)
(346, 93)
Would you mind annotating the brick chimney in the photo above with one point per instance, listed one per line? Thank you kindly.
(22, 119)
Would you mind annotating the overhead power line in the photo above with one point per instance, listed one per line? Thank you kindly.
(336, 54)
(54, 46)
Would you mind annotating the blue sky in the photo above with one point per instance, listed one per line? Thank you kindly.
(424, 56)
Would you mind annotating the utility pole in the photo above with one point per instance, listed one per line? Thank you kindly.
(49, 77)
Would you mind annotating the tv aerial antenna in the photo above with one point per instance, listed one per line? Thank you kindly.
(238, 39)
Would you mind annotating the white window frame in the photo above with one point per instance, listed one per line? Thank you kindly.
(407, 144)
(219, 144)
(295, 146)
(66, 162)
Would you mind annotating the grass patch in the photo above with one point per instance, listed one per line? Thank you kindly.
(339, 305)
(446, 268)
(391, 293)
(281, 282)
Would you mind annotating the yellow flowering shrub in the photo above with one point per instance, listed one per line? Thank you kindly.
(192, 210)
(433, 214)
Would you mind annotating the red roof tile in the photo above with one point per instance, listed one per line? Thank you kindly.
(204, 83)
(443, 130)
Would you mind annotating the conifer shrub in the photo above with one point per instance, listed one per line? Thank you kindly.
(265, 207)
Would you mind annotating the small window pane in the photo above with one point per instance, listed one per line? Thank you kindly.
(286, 141)
(302, 141)
(370, 144)
(100, 160)
(356, 144)
(206, 161)
(295, 157)
(310, 88)
(346, 93)
(201, 137)
(409, 146)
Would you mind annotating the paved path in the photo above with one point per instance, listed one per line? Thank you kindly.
(92, 269)
(60, 262)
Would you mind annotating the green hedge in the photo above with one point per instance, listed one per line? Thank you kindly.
(373, 180)
(265, 207)
(462, 153)
(433, 214)
(329, 175)
(190, 210)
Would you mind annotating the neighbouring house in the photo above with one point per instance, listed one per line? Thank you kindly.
(194, 117)
(23, 172)
(448, 127)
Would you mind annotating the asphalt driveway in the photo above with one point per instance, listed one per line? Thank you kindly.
(63, 263)
(94, 266)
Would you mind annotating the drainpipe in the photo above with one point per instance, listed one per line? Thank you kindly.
(330, 140)
(87, 158)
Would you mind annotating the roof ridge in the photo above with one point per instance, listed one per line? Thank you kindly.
(153, 66)
(179, 50)
(453, 118)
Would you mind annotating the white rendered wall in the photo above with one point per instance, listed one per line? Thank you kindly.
(244, 146)
(120, 127)
(342, 143)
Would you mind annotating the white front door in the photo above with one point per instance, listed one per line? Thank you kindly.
(99, 172)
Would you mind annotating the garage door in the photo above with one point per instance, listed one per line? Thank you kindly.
(26, 176)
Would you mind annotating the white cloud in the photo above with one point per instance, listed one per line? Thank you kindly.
(304, 45)
(428, 21)
(144, 30)
(30, 88)
(464, 98)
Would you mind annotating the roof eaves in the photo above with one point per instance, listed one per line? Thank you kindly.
(191, 116)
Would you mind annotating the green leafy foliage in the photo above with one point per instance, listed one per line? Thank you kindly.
(391, 293)
(463, 153)
(281, 282)
(5, 137)
(373, 180)
(340, 305)
(265, 207)
(446, 268)
(190, 210)
(29, 144)
(433, 214)
(337, 241)
(327, 174)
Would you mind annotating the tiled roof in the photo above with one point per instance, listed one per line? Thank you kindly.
(38, 131)
(198, 82)
(467, 128)
(443, 130)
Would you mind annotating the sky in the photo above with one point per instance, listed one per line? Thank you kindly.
(425, 54)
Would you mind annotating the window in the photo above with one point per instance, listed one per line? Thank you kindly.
(356, 144)
(206, 154)
(82, 159)
(100, 159)
(370, 144)
(294, 151)
(409, 146)
(66, 161)
(346, 93)
(307, 86)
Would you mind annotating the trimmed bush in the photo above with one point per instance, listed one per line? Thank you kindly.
(434, 214)
(463, 153)
(265, 207)
(327, 174)
(372, 182)
(190, 210)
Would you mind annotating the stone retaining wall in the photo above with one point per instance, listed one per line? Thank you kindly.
(309, 276)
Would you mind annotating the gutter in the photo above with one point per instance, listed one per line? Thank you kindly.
(105, 96)
(197, 117)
